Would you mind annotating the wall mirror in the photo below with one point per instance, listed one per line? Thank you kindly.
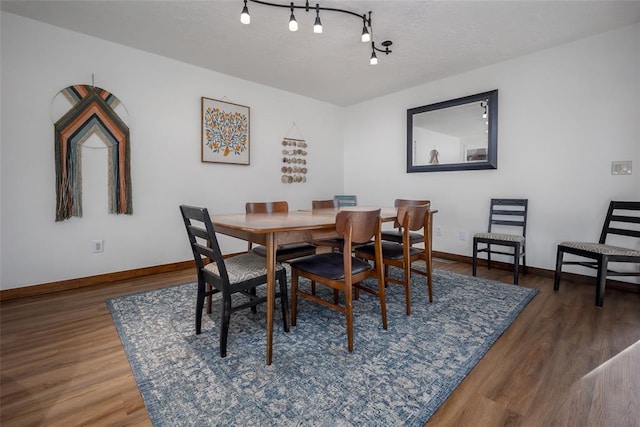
(458, 134)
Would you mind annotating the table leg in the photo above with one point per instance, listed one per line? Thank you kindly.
(271, 286)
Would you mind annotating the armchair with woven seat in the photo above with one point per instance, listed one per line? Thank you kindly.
(241, 274)
(284, 252)
(504, 215)
(622, 222)
(412, 218)
(342, 272)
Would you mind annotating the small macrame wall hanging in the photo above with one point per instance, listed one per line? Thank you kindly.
(92, 112)
(294, 161)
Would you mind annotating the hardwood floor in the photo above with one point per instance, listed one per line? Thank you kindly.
(563, 362)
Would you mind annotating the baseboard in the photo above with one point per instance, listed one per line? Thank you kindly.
(100, 279)
(573, 277)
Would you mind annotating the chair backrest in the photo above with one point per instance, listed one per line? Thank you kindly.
(324, 204)
(346, 200)
(509, 213)
(267, 207)
(363, 225)
(412, 217)
(623, 219)
(408, 202)
(202, 238)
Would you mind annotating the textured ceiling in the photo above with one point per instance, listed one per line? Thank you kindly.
(431, 39)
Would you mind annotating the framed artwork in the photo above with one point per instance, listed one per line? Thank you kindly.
(225, 132)
(476, 155)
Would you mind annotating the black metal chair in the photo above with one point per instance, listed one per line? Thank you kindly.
(341, 271)
(397, 233)
(236, 274)
(622, 220)
(508, 215)
(284, 252)
(412, 218)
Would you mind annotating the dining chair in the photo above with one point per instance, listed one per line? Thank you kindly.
(239, 274)
(504, 215)
(341, 271)
(403, 255)
(396, 234)
(346, 199)
(336, 243)
(622, 223)
(284, 252)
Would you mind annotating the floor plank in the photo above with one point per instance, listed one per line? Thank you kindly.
(563, 361)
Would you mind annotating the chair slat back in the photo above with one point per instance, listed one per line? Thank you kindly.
(364, 225)
(324, 204)
(412, 217)
(346, 199)
(510, 213)
(267, 207)
(408, 202)
(202, 238)
(621, 219)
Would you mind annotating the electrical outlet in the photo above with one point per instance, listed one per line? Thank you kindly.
(621, 167)
(462, 235)
(97, 246)
(438, 231)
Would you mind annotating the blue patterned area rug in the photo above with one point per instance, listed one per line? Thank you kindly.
(395, 377)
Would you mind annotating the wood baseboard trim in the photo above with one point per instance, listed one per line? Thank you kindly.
(100, 279)
(572, 277)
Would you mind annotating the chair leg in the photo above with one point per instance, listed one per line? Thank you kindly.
(294, 296)
(556, 276)
(209, 299)
(199, 308)
(224, 324)
(429, 263)
(313, 287)
(475, 257)
(252, 291)
(516, 263)
(407, 287)
(349, 313)
(383, 302)
(488, 256)
(602, 281)
(284, 301)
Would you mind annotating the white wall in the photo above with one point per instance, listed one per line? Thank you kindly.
(163, 100)
(564, 115)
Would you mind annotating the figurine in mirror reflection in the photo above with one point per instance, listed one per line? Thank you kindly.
(434, 157)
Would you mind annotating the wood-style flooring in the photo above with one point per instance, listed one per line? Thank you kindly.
(563, 362)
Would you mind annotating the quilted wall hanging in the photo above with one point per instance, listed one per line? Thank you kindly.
(93, 112)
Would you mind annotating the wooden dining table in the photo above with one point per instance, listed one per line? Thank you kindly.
(272, 230)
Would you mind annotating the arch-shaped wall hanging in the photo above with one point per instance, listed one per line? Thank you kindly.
(93, 112)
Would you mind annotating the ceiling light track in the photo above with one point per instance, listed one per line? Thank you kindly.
(367, 28)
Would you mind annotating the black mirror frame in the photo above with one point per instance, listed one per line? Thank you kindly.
(492, 135)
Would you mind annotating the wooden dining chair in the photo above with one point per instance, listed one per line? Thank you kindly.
(412, 218)
(621, 229)
(284, 252)
(341, 271)
(397, 234)
(231, 275)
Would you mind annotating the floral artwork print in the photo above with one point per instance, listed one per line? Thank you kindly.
(225, 132)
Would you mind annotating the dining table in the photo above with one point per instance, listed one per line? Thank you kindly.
(274, 229)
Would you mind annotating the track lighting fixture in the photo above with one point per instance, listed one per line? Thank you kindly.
(367, 29)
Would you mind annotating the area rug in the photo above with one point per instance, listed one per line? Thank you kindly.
(398, 376)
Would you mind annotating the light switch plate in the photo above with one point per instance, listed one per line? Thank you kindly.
(622, 167)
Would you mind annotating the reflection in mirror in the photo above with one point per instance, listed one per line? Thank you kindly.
(459, 134)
